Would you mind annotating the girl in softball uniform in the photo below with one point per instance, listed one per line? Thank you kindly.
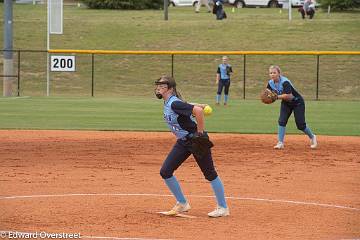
(184, 120)
(292, 101)
(223, 80)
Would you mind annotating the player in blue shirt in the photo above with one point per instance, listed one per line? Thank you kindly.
(185, 120)
(292, 101)
(223, 80)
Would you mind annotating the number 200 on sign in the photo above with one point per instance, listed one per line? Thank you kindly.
(62, 63)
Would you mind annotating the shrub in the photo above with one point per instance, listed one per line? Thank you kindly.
(340, 4)
(124, 4)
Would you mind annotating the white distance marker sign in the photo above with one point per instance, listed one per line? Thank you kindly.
(63, 63)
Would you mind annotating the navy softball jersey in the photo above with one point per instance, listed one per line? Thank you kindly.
(285, 86)
(223, 70)
(296, 105)
(178, 116)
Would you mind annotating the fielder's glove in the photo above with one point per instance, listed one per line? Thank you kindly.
(267, 96)
(200, 144)
(228, 70)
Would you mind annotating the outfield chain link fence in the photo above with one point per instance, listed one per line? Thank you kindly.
(317, 75)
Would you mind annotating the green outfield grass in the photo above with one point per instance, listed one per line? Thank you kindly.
(245, 29)
(145, 114)
(123, 83)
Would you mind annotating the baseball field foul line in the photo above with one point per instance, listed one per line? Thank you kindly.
(194, 196)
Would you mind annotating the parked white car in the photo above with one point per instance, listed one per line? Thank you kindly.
(261, 3)
(297, 3)
(183, 2)
(265, 3)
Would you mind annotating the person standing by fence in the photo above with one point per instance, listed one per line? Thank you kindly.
(223, 80)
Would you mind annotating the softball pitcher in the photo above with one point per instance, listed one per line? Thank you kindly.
(186, 121)
(292, 101)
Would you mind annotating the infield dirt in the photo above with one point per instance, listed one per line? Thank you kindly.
(119, 172)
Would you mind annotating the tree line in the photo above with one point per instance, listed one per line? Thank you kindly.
(124, 4)
(158, 4)
(340, 4)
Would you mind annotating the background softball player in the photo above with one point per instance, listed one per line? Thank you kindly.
(223, 80)
(292, 101)
(186, 121)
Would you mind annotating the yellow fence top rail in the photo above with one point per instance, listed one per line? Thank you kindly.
(205, 52)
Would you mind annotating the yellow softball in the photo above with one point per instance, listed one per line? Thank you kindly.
(207, 110)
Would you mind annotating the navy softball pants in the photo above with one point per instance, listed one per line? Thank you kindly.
(223, 83)
(179, 153)
(299, 113)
